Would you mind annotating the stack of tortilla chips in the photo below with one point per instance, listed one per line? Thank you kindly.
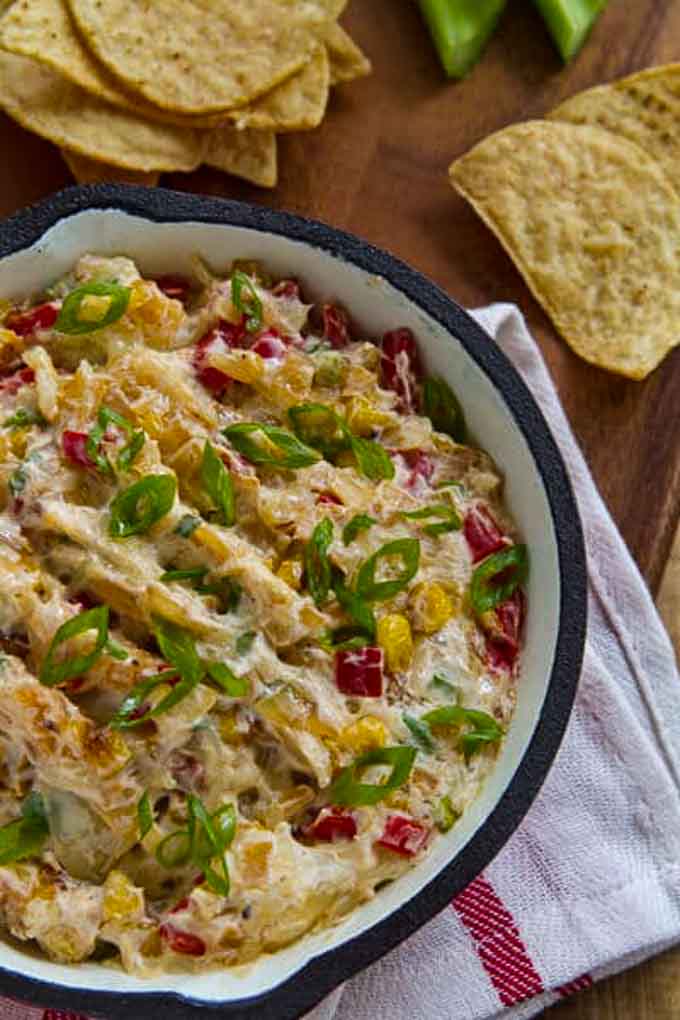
(128, 89)
(587, 204)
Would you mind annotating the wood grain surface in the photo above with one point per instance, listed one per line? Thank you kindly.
(378, 167)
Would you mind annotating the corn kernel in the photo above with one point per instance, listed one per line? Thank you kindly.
(244, 366)
(432, 607)
(290, 571)
(229, 731)
(365, 734)
(363, 416)
(394, 637)
(93, 307)
(122, 900)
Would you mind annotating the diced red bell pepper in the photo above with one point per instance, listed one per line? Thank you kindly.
(173, 286)
(180, 906)
(182, 941)
(270, 345)
(359, 671)
(227, 333)
(331, 824)
(287, 289)
(13, 383)
(400, 367)
(335, 326)
(329, 499)
(403, 835)
(483, 535)
(73, 445)
(422, 468)
(503, 633)
(41, 317)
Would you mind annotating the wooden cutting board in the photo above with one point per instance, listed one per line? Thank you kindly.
(378, 167)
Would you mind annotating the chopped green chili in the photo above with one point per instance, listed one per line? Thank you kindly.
(144, 815)
(443, 409)
(348, 791)
(483, 727)
(317, 564)
(359, 523)
(405, 549)
(320, 427)
(372, 459)
(23, 417)
(246, 300)
(53, 672)
(420, 731)
(230, 684)
(26, 836)
(71, 322)
(218, 484)
(141, 505)
(292, 453)
(496, 578)
(244, 642)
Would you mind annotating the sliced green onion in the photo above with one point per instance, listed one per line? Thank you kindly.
(420, 732)
(179, 649)
(191, 574)
(445, 815)
(17, 482)
(130, 451)
(359, 523)
(105, 417)
(348, 791)
(442, 408)
(496, 578)
(226, 590)
(372, 459)
(206, 837)
(483, 727)
(344, 639)
(140, 506)
(406, 549)
(441, 683)
(116, 651)
(144, 815)
(355, 606)
(292, 454)
(175, 850)
(248, 303)
(53, 672)
(218, 484)
(26, 836)
(128, 717)
(244, 642)
(233, 686)
(317, 564)
(24, 417)
(451, 520)
(320, 427)
(188, 525)
(70, 320)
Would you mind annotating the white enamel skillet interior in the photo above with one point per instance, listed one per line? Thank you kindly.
(163, 231)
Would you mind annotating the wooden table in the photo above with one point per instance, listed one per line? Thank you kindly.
(378, 167)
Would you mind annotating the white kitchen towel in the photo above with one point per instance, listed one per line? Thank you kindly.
(590, 882)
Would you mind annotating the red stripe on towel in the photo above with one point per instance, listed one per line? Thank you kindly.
(572, 987)
(498, 943)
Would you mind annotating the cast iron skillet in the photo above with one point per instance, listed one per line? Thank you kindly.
(321, 975)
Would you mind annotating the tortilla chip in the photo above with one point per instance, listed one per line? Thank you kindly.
(594, 227)
(89, 171)
(194, 58)
(347, 60)
(644, 108)
(44, 31)
(52, 107)
(298, 104)
(251, 155)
